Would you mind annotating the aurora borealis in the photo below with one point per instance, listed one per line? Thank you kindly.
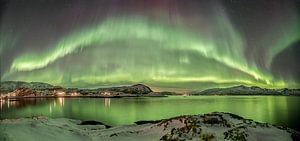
(190, 44)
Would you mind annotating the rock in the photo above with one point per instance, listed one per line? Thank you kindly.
(91, 122)
(222, 126)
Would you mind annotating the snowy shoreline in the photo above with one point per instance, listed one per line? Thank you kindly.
(212, 126)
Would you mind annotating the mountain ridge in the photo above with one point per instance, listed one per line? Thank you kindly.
(247, 90)
(21, 87)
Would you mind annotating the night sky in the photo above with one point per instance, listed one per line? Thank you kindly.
(192, 44)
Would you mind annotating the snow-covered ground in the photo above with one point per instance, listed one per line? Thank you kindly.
(213, 126)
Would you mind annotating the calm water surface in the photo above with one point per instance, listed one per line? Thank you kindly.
(281, 110)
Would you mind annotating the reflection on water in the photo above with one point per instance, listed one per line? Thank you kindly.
(281, 110)
(107, 102)
(50, 109)
(20, 103)
(1, 103)
(61, 101)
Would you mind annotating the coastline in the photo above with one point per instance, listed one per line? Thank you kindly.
(129, 96)
(19, 90)
(81, 96)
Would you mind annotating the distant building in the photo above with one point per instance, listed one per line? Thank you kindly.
(59, 91)
(106, 93)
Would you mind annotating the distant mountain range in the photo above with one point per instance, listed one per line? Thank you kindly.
(19, 88)
(244, 90)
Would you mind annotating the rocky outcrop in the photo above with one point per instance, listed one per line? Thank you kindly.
(223, 126)
(244, 90)
(207, 127)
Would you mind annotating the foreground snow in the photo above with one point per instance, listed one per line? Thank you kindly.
(213, 126)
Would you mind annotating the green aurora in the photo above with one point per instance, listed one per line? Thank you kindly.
(133, 49)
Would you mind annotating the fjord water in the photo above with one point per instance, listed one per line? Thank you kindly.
(280, 110)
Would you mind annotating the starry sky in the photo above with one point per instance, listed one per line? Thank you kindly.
(166, 44)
